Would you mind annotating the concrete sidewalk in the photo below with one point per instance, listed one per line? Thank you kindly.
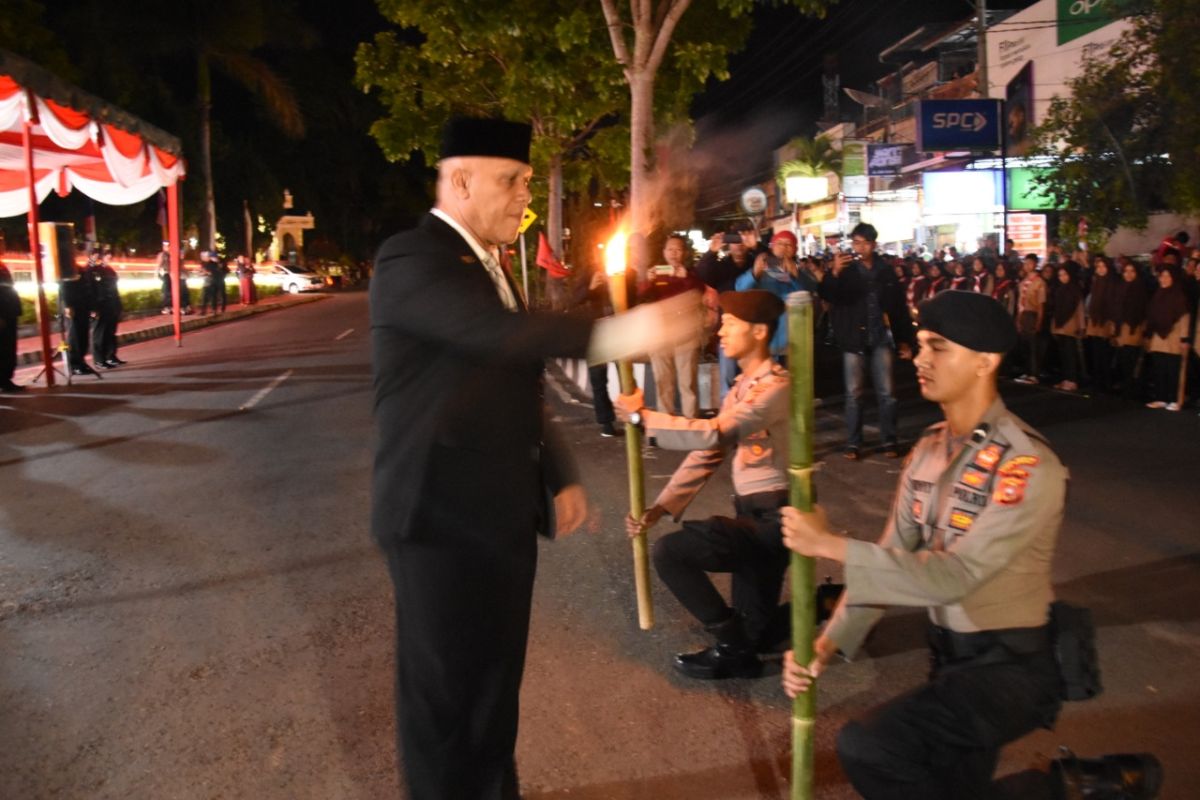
(29, 348)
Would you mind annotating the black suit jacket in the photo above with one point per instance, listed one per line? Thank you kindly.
(463, 437)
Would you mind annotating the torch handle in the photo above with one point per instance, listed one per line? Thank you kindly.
(637, 487)
(637, 505)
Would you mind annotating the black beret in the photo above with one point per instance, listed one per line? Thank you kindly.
(975, 321)
(752, 306)
(499, 138)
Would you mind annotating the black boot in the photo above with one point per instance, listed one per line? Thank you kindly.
(732, 656)
(1123, 776)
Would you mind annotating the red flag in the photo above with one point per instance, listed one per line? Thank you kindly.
(546, 259)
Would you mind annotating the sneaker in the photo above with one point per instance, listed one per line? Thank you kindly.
(1156, 404)
(1172, 406)
(891, 450)
(852, 454)
(608, 431)
(1026, 379)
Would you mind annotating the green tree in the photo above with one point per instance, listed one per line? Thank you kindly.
(641, 43)
(815, 158)
(1124, 143)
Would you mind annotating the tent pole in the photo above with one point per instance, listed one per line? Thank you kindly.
(35, 245)
(176, 266)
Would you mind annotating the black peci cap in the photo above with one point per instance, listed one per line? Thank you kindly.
(752, 306)
(975, 321)
(498, 138)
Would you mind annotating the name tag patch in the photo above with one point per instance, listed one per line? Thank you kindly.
(961, 519)
(974, 498)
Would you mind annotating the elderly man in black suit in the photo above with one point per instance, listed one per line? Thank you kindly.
(467, 462)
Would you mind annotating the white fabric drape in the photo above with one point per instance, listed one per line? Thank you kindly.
(16, 202)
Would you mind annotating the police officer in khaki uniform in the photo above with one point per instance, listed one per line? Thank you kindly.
(752, 426)
(970, 536)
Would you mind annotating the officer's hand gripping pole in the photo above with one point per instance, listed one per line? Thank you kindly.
(800, 495)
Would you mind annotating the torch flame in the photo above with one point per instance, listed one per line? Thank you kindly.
(614, 254)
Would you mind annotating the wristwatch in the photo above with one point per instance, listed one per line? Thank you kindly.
(636, 417)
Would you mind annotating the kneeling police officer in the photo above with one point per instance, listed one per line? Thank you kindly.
(970, 537)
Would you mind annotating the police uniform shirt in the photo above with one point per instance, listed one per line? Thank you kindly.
(753, 418)
(971, 535)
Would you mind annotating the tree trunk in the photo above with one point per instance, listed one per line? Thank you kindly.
(554, 212)
(641, 130)
(208, 210)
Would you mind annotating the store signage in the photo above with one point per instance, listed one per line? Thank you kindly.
(1026, 195)
(854, 159)
(855, 188)
(1028, 232)
(958, 125)
(1080, 17)
(885, 160)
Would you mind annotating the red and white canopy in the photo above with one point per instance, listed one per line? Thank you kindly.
(78, 141)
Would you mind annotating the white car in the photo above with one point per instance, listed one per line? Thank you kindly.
(293, 279)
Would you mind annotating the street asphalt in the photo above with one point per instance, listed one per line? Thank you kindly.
(191, 607)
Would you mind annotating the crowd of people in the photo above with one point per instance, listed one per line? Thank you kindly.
(1086, 322)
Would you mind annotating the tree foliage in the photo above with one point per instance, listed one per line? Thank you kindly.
(815, 158)
(1124, 143)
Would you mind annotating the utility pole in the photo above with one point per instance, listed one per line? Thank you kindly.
(981, 59)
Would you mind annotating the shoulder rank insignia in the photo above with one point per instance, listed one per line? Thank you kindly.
(1009, 491)
(1018, 467)
(961, 519)
(988, 457)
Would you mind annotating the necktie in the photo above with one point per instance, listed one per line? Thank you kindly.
(502, 288)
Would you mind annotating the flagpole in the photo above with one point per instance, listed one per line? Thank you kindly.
(524, 269)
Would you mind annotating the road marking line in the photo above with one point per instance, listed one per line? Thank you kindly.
(266, 390)
(343, 334)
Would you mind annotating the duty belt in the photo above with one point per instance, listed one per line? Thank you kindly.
(948, 645)
(760, 502)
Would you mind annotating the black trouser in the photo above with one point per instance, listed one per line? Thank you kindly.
(750, 547)
(1032, 343)
(1166, 376)
(464, 588)
(1127, 361)
(942, 740)
(78, 334)
(1068, 356)
(104, 335)
(219, 296)
(601, 402)
(1100, 359)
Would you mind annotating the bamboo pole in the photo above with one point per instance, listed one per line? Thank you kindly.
(614, 256)
(800, 495)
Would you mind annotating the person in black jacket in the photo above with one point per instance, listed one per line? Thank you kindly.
(869, 321)
(10, 315)
(77, 302)
(466, 460)
(108, 314)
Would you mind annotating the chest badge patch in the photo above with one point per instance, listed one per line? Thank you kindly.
(974, 477)
(988, 457)
(961, 519)
(918, 507)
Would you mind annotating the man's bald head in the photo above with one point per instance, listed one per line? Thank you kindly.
(487, 195)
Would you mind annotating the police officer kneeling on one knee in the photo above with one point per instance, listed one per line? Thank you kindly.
(752, 427)
(970, 536)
